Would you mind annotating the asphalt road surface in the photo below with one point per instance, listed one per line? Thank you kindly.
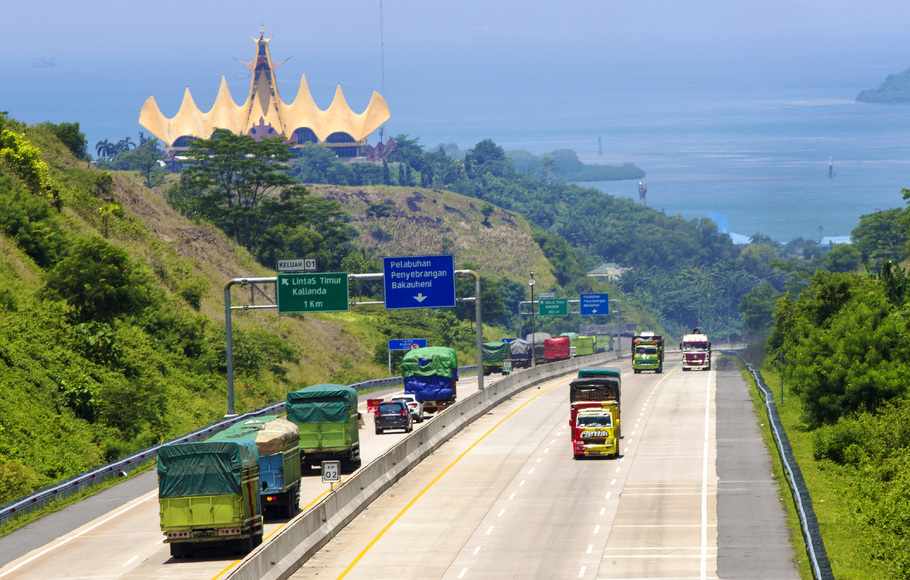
(692, 496)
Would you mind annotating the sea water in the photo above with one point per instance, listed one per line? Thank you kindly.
(783, 151)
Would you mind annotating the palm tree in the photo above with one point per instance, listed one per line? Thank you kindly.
(124, 144)
(104, 149)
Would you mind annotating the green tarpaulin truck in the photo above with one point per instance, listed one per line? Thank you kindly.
(329, 424)
(494, 354)
(208, 495)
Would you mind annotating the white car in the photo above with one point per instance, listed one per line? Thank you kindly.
(415, 406)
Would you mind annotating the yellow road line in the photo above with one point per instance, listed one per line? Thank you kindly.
(265, 539)
(443, 472)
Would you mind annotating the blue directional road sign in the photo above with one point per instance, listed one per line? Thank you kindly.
(591, 304)
(419, 282)
(407, 343)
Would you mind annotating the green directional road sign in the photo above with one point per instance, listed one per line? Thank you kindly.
(301, 292)
(553, 307)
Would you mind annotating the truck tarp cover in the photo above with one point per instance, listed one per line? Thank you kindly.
(594, 389)
(494, 352)
(556, 347)
(520, 349)
(206, 468)
(430, 361)
(276, 436)
(321, 404)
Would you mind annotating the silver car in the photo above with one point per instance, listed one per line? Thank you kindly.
(415, 406)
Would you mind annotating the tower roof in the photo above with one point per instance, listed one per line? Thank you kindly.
(264, 107)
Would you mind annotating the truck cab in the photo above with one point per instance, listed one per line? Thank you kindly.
(647, 353)
(696, 351)
(594, 433)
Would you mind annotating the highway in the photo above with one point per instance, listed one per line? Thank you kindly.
(504, 498)
(122, 539)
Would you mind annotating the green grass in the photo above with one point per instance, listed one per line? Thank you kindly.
(836, 521)
(58, 504)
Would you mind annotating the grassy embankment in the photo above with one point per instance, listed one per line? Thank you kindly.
(834, 514)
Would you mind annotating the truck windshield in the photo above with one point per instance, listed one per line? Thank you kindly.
(647, 350)
(695, 346)
(594, 421)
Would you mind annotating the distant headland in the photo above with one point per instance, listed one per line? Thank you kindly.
(895, 89)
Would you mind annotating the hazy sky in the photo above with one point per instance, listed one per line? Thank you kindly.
(134, 50)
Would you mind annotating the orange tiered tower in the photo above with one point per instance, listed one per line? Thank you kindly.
(264, 114)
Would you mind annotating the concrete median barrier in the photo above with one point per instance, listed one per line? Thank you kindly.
(297, 541)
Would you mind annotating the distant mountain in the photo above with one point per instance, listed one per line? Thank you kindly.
(895, 89)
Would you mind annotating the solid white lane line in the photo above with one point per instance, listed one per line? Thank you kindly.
(704, 481)
(130, 561)
(146, 497)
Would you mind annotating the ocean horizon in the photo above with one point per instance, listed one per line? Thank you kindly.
(753, 143)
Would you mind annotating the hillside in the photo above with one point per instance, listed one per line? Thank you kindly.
(81, 390)
(894, 89)
(415, 221)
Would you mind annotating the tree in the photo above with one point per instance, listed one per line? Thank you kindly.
(549, 166)
(757, 307)
(125, 144)
(105, 149)
(229, 178)
(487, 157)
(487, 211)
(100, 282)
(146, 159)
(314, 164)
(842, 258)
(881, 236)
(70, 135)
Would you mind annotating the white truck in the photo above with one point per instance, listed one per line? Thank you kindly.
(696, 351)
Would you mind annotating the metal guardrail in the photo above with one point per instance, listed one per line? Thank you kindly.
(122, 467)
(815, 546)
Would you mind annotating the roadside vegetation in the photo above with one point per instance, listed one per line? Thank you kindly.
(112, 314)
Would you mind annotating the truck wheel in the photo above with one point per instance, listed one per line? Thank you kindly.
(636, 371)
(180, 550)
(576, 456)
(685, 369)
(659, 371)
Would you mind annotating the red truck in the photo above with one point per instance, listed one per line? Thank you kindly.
(555, 349)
